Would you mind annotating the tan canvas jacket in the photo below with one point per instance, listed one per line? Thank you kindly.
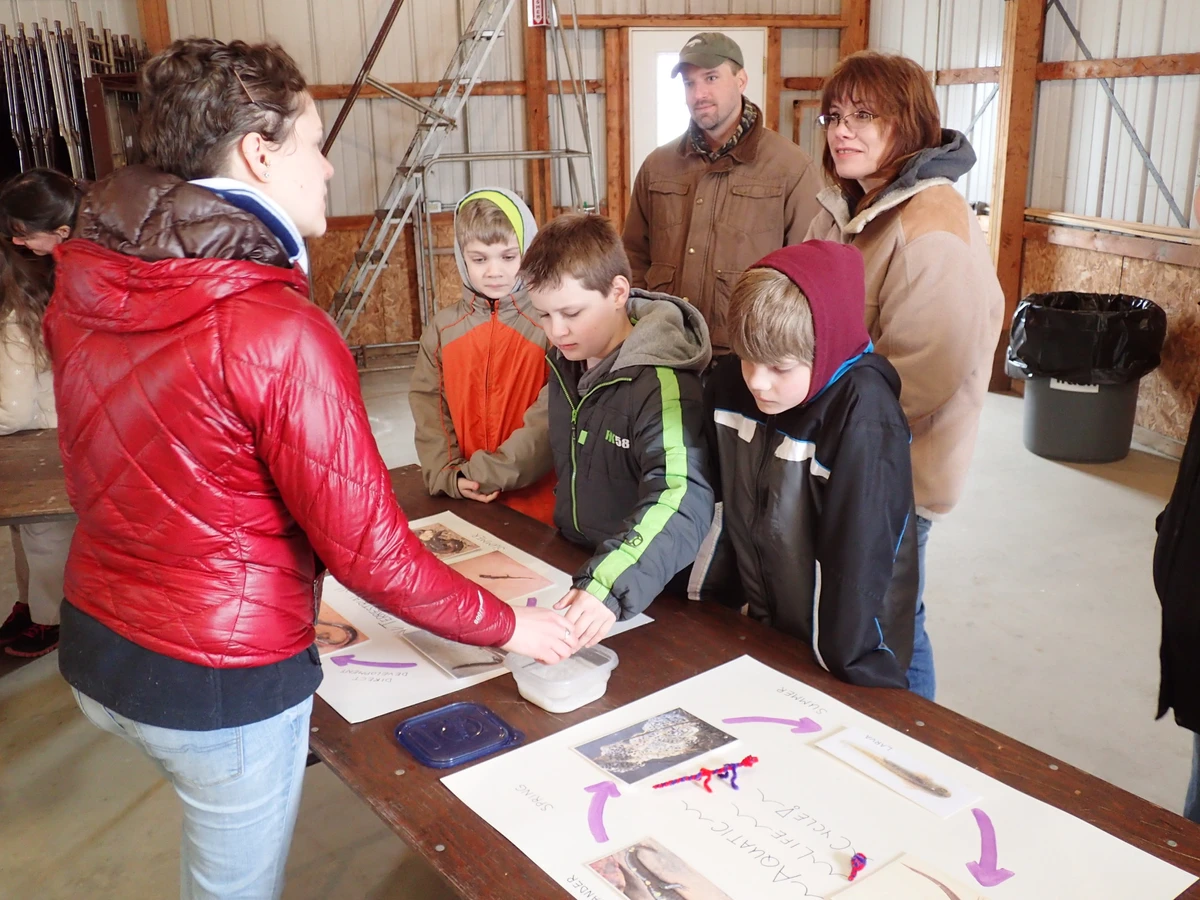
(694, 226)
(934, 310)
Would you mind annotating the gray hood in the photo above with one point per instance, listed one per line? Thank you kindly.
(667, 331)
(514, 207)
(953, 159)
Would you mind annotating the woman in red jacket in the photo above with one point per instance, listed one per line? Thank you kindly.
(219, 457)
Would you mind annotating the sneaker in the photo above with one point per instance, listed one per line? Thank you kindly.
(16, 623)
(36, 640)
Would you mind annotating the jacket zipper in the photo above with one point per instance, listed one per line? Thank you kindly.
(760, 509)
(487, 375)
(575, 407)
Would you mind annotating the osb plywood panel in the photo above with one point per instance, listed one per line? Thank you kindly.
(390, 315)
(1050, 267)
(449, 282)
(1169, 394)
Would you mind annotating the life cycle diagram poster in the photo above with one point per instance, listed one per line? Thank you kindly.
(374, 663)
(827, 783)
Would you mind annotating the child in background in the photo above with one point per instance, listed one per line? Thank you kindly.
(481, 366)
(626, 421)
(37, 210)
(815, 535)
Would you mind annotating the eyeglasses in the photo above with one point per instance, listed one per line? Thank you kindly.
(856, 121)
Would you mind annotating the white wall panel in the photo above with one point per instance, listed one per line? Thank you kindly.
(703, 7)
(1085, 162)
(909, 27)
(119, 16)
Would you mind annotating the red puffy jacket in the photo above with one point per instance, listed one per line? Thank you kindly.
(215, 442)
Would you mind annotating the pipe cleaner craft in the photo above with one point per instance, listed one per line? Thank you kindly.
(858, 862)
(727, 771)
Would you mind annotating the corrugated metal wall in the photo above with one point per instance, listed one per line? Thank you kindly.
(424, 36)
(1084, 160)
(952, 34)
(119, 16)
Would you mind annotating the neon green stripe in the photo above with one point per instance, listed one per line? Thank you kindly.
(655, 519)
(510, 210)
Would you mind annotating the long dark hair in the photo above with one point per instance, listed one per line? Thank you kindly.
(25, 285)
(38, 200)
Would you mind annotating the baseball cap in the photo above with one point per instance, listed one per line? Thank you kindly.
(708, 49)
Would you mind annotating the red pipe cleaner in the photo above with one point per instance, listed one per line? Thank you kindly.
(705, 775)
(858, 862)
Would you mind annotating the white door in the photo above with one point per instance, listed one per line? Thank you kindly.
(658, 113)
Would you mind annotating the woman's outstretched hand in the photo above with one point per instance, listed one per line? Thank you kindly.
(543, 634)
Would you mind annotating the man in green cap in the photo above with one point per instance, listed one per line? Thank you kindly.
(721, 197)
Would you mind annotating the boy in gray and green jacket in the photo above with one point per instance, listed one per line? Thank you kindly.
(626, 420)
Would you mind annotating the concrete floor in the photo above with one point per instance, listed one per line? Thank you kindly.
(1041, 609)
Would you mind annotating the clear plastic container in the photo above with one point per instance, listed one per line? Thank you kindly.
(567, 685)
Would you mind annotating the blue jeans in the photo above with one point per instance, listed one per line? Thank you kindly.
(1191, 806)
(921, 678)
(240, 789)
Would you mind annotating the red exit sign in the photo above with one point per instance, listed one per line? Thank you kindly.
(540, 13)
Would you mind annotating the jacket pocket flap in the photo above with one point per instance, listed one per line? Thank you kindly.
(756, 191)
(659, 275)
(668, 187)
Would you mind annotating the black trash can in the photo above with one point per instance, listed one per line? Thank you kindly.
(1083, 356)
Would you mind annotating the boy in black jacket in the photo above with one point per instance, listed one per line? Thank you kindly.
(626, 420)
(816, 534)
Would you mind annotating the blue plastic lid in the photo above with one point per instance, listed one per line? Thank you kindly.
(455, 734)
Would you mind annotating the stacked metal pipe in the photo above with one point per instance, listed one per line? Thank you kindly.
(44, 69)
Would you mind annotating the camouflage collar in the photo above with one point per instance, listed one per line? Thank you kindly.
(700, 143)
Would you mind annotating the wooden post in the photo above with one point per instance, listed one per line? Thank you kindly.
(154, 23)
(614, 124)
(627, 175)
(772, 94)
(537, 123)
(856, 15)
(1024, 21)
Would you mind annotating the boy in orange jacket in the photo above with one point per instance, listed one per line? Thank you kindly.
(481, 366)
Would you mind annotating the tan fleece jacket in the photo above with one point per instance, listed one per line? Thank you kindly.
(934, 310)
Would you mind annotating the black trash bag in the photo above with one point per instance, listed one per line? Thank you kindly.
(1086, 338)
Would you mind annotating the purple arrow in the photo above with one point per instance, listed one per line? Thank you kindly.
(799, 726)
(347, 659)
(532, 601)
(985, 871)
(600, 793)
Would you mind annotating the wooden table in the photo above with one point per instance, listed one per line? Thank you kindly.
(32, 487)
(686, 639)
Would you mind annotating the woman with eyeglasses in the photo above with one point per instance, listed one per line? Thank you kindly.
(934, 304)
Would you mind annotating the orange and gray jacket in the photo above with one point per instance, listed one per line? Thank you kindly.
(480, 368)
(629, 449)
(694, 226)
